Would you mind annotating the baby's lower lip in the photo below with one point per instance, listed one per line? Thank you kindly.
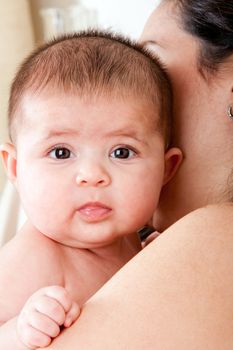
(94, 212)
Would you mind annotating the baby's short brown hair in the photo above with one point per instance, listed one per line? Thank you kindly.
(94, 63)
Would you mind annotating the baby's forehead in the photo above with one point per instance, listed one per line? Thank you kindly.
(58, 106)
(52, 96)
(78, 63)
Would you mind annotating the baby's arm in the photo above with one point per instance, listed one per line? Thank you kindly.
(24, 269)
(40, 320)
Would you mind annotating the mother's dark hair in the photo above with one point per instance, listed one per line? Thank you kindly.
(211, 21)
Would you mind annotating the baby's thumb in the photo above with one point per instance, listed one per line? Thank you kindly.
(72, 314)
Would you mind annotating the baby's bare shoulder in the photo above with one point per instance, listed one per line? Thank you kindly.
(28, 245)
(28, 262)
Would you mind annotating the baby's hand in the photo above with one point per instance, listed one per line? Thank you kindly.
(43, 314)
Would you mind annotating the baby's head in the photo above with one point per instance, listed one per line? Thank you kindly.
(92, 64)
(89, 118)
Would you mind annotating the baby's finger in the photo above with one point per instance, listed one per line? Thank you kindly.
(44, 324)
(72, 314)
(51, 308)
(32, 338)
(61, 295)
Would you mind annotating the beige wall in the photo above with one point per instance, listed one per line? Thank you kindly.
(16, 40)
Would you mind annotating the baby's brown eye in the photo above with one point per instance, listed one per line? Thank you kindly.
(60, 153)
(122, 153)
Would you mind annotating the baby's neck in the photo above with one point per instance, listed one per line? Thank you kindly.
(125, 247)
(81, 270)
(94, 267)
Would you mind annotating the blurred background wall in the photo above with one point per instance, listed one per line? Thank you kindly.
(16, 40)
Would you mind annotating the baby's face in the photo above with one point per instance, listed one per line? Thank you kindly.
(88, 171)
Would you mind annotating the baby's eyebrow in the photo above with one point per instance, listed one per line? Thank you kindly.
(130, 133)
(60, 132)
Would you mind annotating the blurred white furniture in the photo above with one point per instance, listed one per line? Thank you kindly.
(68, 19)
(11, 213)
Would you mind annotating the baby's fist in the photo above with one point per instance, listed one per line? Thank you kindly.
(43, 314)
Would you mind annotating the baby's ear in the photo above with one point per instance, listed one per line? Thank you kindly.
(8, 155)
(173, 159)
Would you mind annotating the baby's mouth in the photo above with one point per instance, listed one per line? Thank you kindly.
(94, 211)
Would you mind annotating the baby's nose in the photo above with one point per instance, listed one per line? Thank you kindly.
(95, 176)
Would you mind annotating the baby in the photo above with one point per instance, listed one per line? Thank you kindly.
(89, 121)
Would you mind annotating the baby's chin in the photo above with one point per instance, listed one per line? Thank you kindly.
(91, 238)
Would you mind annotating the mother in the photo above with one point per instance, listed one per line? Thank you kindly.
(178, 292)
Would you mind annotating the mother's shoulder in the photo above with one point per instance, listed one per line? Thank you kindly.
(188, 273)
(201, 240)
(214, 211)
(212, 221)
